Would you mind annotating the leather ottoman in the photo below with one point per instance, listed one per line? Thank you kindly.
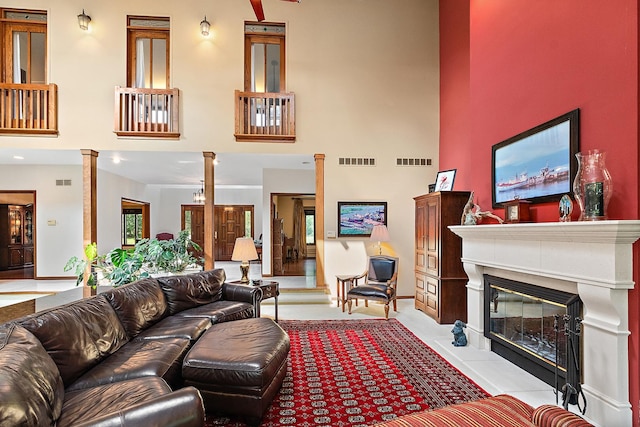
(238, 366)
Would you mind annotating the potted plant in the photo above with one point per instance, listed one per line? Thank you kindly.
(168, 256)
(148, 257)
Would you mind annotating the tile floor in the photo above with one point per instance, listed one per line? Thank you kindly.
(299, 301)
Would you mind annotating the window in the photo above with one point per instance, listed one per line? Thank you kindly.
(310, 226)
(25, 46)
(148, 52)
(131, 226)
(248, 223)
(264, 69)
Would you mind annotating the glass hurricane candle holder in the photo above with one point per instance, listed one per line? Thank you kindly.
(592, 185)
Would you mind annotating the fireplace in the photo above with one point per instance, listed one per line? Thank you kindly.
(526, 325)
(592, 259)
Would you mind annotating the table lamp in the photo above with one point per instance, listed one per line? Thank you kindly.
(244, 250)
(380, 234)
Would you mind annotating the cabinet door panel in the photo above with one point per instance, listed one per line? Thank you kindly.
(15, 257)
(433, 236)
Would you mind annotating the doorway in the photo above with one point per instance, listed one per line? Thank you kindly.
(17, 235)
(230, 222)
(135, 222)
(294, 238)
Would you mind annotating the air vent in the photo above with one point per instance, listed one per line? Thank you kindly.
(413, 162)
(63, 182)
(356, 161)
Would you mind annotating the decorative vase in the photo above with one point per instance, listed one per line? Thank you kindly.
(592, 185)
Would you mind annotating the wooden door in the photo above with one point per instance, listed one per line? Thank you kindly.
(229, 224)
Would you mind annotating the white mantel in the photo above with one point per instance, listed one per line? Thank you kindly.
(592, 259)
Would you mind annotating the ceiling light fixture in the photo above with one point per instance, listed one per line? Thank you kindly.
(205, 26)
(83, 21)
(198, 196)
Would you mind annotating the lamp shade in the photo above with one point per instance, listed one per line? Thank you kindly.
(380, 233)
(244, 250)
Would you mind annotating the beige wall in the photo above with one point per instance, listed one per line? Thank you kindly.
(365, 75)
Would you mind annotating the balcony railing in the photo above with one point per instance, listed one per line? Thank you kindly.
(265, 117)
(29, 108)
(151, 113)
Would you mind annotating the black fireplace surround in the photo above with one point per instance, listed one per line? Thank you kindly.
(519, 320)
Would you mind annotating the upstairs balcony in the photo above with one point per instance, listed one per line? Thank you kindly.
(265, 117)
(147, 113)
(30, 109)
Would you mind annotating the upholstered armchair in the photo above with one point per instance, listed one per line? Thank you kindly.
(377, 283)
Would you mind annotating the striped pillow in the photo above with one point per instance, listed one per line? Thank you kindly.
(554, 416)
(498, 411)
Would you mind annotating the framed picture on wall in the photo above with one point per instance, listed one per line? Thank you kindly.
(356, 219)
(444, 180)
(537, 165)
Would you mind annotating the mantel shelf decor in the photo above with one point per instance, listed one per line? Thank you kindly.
(592, 186)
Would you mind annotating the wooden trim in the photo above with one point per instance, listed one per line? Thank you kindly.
(89, 204)
(320, 279)
(209, 241)
(264, 138)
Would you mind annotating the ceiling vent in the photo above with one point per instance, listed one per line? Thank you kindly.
(412, 162)
(356, 161)
(63, 182)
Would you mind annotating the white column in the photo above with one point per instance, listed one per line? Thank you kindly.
(606, 373)
(475, 306)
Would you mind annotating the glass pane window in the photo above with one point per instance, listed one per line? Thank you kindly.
(264, 58)
(310, 227)
(148, 53)
(38, 57)
(131, 226)
(25, 46)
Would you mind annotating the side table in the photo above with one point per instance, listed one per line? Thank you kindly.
(270, 289)
(341, 281)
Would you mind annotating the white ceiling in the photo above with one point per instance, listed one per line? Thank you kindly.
(167, 168)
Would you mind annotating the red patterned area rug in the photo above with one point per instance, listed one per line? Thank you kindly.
(358, 373)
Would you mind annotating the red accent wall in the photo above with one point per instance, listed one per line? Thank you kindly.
(509, 65)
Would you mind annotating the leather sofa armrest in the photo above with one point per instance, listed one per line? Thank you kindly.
(183, 408)
(241, 293)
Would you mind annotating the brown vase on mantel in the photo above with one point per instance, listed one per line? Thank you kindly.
(592, 185)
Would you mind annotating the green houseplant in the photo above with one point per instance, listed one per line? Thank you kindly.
(121, 266)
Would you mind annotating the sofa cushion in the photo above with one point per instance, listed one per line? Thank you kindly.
(139, 304)
(192, 290)
(498, 411)
(31, 389)
(77, 335)
(177, 327)
(86, 404)
(137, 359)
(555, 416)
(220, 311)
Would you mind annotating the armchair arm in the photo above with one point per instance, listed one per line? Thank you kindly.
(182, 408)
(241, 293)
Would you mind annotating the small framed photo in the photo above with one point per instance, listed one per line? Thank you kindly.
(444, 180)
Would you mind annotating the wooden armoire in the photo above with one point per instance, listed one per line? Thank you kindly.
(440, 278)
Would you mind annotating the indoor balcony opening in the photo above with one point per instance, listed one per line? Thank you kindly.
(147, 112)
(264, 116)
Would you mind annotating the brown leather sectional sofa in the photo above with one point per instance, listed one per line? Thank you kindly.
(115, 359)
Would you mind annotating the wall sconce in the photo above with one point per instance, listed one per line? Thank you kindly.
(205, 26)
(83, 21)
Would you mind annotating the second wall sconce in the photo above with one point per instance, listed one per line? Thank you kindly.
(205, 26)
(83, 21)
